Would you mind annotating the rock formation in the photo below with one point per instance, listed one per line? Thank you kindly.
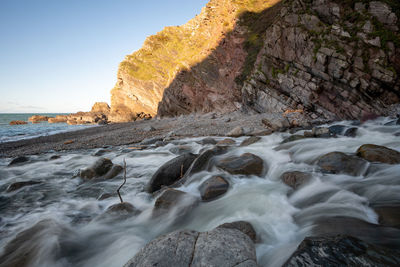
(327, 59)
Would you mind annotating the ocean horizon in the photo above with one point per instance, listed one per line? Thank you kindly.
(9, 133)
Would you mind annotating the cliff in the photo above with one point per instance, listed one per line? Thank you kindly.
(329, 59)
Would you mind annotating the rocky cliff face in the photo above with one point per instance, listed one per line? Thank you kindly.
(327, 59)
(332, 59)
(197, 61)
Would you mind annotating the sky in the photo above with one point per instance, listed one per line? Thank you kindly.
(63, 55)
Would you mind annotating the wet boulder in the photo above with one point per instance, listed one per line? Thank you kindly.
(170, 172)
(123, 208)
(99, 168)
(341, 163)
(337, 129)
(226, 142)
(247, 164)
(351, 132)
(375, 153)
(293, 138)
(389, 215)
(219, 247)
(242, 226)
(251, 140)
(295, 179)
(368, 232)
(208, 141)
(114, 171)
(213, 187)
(341, 250)
(18, 185)
(18, 160)
(174, 199)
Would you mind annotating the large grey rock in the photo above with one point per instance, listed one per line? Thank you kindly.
(341, 250)
(338, 162)
(170, 172)
(213, 188)
(219, 247)
(247, 164)
(236, 132)
(381, 154)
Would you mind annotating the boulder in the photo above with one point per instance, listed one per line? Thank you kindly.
(18, 122)
(172, 198)
(226, 141)
(150, 141)
(38, 118)
(124, 207)
(99, 168)
(341, 163)
(341, 250)
(337, 129)
(368, 232)
(18, 185)
(251, 140)
(18, 160)
(219, 247)
(213, 188)
(114, 171)
(293, 138)
(207, 141)
(351, 132)
(247, 164)
(295, 179)
(170, 172)
(242, 226)
(388, 215)
(236, 132)
(375, 153)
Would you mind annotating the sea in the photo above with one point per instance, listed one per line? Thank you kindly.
(18, 132)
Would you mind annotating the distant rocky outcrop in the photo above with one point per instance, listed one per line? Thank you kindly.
(18, 122)
(326, 59)
(38, 118)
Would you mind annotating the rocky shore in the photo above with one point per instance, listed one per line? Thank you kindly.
(327, 173)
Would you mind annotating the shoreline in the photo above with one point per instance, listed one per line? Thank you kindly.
(117, 134)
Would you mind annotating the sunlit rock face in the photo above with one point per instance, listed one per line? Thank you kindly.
(198, 63)
(328, 59)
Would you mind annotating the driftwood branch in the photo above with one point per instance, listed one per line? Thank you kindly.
(120, 198)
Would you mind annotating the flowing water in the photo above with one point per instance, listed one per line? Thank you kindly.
(80, 235)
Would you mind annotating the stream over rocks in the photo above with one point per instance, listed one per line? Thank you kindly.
(276, 200)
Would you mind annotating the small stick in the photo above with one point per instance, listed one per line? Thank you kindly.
(181, 170)
(120, 198)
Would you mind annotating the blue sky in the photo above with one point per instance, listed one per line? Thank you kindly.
(63, 55)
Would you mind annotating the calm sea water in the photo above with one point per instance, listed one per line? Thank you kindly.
(30, 130)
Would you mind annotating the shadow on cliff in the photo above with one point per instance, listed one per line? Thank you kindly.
(215, 83)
